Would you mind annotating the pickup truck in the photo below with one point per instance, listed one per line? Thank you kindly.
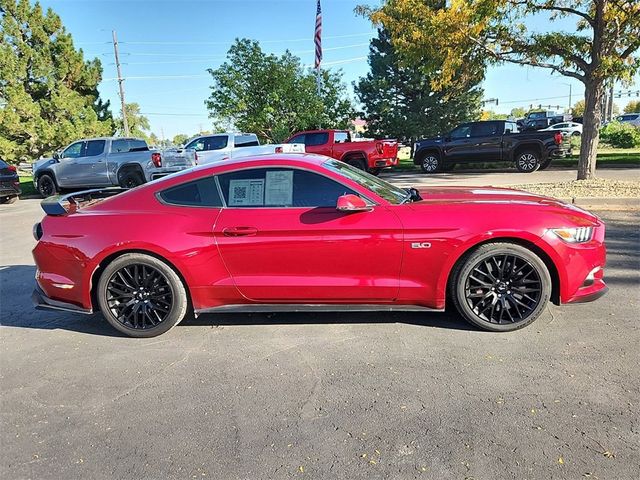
(371, 156)
(223, 146)
(490, 141)
(105, 162)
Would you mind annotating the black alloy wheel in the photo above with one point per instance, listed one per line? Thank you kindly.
(502, 287)
(141, 296)
(131, 180)
(46, 186)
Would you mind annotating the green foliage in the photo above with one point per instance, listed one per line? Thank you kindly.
(518, 112)
(632, 107)
(621, 135)
(48, 92)
(491, 115)
(138, 124)
(180, 139)
(399, 102)
(578, 109)
(274, 96)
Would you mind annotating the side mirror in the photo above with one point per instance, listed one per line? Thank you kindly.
(352, 203)
(57, 155)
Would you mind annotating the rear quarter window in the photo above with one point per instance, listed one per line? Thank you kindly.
(198, 193)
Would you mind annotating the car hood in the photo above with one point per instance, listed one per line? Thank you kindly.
(43, 162)
(492, 195)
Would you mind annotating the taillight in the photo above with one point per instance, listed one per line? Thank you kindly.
(12, 168)
(379, 148)
(558, 138)
(278, 149)
(156, 159)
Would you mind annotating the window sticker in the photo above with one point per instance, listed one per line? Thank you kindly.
(246, 193)
(279, 189)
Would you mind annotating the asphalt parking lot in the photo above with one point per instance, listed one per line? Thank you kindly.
(351, 395)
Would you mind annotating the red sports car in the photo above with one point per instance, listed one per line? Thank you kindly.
(298, 232)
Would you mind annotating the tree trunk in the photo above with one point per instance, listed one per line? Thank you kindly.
(594, 91)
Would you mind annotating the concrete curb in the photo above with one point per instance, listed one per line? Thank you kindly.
(611, 203)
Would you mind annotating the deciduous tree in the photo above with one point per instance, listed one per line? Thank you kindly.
(274, 96)
(632, 107)
(600, 50)
(138, 124)
(399, 101)
(48, 91)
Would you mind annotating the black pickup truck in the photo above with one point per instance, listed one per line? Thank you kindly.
(490, 141)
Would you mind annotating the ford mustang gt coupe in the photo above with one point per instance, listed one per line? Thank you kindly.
(298, 232)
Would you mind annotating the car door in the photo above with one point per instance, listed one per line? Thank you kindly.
(282, 239)
(457, 144)
(318, 142)
(211, 148)
(67, 174)
(88, 169)
(486, 144)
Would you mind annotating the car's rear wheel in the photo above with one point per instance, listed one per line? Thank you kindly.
(430, 162)
(131, 179)
(528, 161)
(46, 185)
(141, 295)
(501, 287)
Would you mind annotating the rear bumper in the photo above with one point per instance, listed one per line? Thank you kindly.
(163, 172)
(10, 188)
(42, 302)
(385, 162)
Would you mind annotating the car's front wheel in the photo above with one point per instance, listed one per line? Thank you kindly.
(430, 162)
(501, 287)
(141, 295)
(46, 185)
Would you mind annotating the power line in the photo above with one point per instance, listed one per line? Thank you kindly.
(305, 39)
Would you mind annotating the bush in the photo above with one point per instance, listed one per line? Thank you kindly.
(620, 135)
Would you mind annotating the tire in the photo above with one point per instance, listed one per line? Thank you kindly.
(430, 162)
(495, 302)
(359, 163)
(130, 179)
(46, 185)
(528, 161)
(9, 200)
(156, 299)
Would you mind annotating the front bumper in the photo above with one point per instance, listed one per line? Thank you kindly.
(42, 302)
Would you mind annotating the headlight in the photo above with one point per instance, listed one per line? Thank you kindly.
(575, 234)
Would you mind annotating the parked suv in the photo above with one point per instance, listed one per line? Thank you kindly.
(105, 162)
(9, 183)
(630, 118)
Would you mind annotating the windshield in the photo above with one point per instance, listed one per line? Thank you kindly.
(390, 193)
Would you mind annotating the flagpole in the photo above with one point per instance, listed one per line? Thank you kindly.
(318, 44)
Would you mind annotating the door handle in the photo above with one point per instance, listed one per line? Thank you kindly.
(239, 231)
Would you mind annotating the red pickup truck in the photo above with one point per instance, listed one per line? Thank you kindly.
(371, 156)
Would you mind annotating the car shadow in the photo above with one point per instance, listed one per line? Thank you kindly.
(17, 310)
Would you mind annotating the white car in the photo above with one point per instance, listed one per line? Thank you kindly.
(630, 118)
(224, 146)
(568, 128)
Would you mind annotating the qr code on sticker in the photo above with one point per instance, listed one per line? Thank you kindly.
(240, 192)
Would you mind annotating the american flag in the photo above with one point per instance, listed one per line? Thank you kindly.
(318, 36)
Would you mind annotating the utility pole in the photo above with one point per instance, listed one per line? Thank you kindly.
(125, 123)
(610, 104)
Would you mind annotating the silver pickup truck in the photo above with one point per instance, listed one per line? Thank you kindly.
(105, 162)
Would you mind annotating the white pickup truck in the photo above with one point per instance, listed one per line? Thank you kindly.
(223, 146)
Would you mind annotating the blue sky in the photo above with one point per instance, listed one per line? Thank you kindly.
(166, 47)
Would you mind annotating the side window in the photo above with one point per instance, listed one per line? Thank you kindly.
(95, 148)
(216, 143)
(484, 129)
(73, 151)
(280, 187)
(197, 145)
(297, 139)
(246, 141)
(341, 137)
(313, 139)
(120, 146)
(137, 145)
(463, 131)
(199, 193)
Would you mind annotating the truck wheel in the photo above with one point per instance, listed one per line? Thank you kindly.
(358, 163)
(528, 161)
(430, 163)
(131, 179)
(46, 185)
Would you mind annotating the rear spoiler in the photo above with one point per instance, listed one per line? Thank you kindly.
(63, 204)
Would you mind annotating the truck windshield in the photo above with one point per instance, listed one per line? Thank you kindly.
(390, 193)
